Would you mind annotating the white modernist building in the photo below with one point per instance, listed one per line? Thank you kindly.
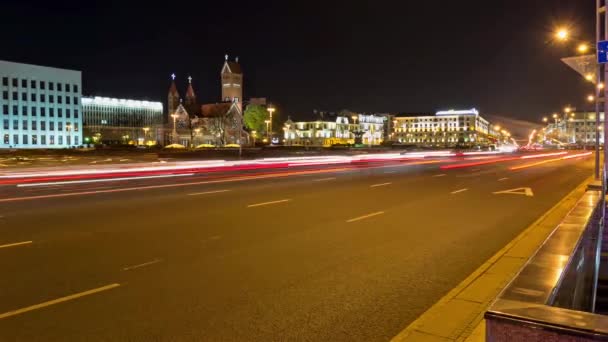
(40, 106)
(109, 120)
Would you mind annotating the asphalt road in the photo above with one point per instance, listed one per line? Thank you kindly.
(340, 255)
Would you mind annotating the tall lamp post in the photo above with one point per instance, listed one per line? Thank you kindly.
(146, 129)
(271, 110)
(174, 134)
(267, 129)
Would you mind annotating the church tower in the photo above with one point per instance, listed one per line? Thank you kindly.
(232, 82)
(172, 97)
(191, 105)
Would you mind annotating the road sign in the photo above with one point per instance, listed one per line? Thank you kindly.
(602, 52)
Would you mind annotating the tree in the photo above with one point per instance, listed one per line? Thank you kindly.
(255, 117)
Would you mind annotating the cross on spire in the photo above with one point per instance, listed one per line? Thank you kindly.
(173, 76)
(189, 79)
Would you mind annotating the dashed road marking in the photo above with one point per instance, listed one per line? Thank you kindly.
(440, 175)
(503, 179)
(365, 216)
(267, 203)
(381, 184)
(15, 244)
(458, 191)
(155, 261)
(324, 179)
(208, 192)
(57, 301)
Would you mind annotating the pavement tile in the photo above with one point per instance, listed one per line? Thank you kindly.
(484, 288)
(525, 247)
(417, 336)
(451, 319)
(507, 266)
(479, 334)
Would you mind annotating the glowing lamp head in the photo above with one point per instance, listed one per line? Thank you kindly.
(583, 48)
(554, 116)
(589, 77)
(562, 34)
(600, 85)
(590, 98)
(545, 119)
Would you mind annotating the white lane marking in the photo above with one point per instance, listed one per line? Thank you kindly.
(440, 175)
(267, 203)
(503, 179)
(390, 171)
(155, 261)
(475, 170)
(324, 179)
(517, 191)
(208, 192)
(57, 301)
(25, 185)
(16, 244)
(457, 191)
(377, 185)
(365, 216)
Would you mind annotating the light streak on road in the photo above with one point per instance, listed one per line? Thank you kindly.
(580, 155)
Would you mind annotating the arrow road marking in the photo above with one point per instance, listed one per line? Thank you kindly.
(517, 191)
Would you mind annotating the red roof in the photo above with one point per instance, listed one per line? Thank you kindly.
(190, 91)
(215, 109)
(173, 89)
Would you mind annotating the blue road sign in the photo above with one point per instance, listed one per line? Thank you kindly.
(602, 52)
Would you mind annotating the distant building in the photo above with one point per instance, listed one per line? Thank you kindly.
(191, 123)
(444, 129)
(121, 121)
(41, 106)
(575, 128)
(336, 130)
(232, 82)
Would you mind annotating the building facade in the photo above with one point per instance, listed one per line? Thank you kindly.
(232, 82)
(120, 121)
(444, 129)
(574, 128)
(41, 106)
(365, 129)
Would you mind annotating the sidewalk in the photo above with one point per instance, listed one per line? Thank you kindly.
(458, 316)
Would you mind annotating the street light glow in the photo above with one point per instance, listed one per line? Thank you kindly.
(583, 48)
(567, 109)
(600, 85)
(545, 119)
(589, 77)
(562, 34)
(590, 98)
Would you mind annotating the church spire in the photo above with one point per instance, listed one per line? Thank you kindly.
(172, 97)
(191, 105)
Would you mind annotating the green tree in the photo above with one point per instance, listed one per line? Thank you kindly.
(255, 117)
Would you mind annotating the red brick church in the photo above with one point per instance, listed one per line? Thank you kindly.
(191, 123)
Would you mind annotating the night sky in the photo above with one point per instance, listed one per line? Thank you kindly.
(374, 56)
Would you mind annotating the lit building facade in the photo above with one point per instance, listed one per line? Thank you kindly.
(444, 129)
(40, 106)
(121, 121)
(360, 128)
(575, 128)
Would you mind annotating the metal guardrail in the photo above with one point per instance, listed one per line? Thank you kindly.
(547, 300)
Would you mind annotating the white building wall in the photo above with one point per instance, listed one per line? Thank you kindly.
(40, 107)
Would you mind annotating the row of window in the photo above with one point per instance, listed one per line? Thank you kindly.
(43, 111)
(43, 140)
(40, 97)
(33, 84)
(34, 125)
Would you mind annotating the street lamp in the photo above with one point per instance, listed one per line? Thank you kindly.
(590, 98)
(174, 116)
(583, 48)
(271, 110)
(146, 129)
(267, 129)
(254, 134)
(562, 34)
(196, 131)
(545, 119)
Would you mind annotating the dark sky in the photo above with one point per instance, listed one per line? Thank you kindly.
(383, 56)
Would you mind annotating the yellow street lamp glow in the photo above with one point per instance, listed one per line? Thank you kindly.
(497, 128)
(562, 34)
(590, 98)
(589, 77)
(554, 116)
(600, 85)
(582, 48)
(545, 119)
(567, 109)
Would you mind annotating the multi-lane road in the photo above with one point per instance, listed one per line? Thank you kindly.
(323, 253)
